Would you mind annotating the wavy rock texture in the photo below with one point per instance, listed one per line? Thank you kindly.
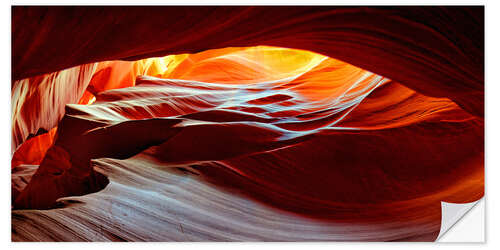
(438, 51)
(38, 102)
(317, 148)
(253, 143)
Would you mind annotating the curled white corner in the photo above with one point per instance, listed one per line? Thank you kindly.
(451, 213)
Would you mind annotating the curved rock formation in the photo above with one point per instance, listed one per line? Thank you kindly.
(247, 143)
(438, 51)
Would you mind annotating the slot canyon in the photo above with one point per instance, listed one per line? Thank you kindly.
(244, 123)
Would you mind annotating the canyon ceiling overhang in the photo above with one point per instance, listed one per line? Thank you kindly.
(437, 51)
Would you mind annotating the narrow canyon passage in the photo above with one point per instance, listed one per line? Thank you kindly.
(246, 143)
